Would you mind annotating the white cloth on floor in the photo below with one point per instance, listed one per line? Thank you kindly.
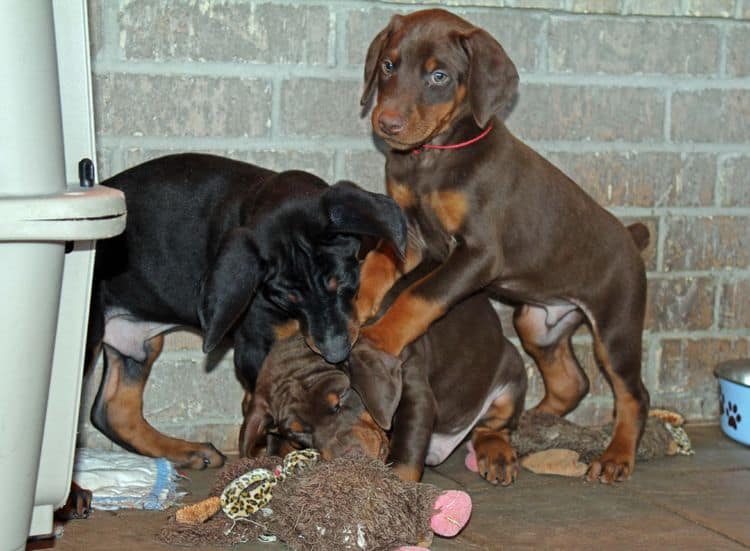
(122, 480)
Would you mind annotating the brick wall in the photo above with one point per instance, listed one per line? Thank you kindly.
(646, 103)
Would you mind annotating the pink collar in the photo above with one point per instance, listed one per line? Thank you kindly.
(467, 143)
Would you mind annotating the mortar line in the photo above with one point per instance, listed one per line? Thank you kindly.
(344, 71)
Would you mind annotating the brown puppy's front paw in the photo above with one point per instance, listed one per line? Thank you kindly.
(610, 467)
(496, 459)
(77, 506)
(203, 456)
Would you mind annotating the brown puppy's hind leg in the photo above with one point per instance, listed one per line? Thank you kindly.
(565, 383)
(618, 349)
(118, 412)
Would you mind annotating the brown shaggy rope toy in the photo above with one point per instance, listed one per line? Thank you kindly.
(346, 503)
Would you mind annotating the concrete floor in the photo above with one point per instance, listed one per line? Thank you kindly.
(698, 502)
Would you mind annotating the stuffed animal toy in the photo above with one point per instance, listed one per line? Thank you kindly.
(347, 503)
(548, 444)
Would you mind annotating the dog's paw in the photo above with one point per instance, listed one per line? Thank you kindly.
(610, 467)
(495, 459)
(201, 456)
(77, 506)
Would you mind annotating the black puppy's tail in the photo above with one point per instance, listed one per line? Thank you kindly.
(640, 234)
(95, 332)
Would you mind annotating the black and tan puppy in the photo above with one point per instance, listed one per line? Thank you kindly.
(227, 248)
(463, 374)
(498, 217)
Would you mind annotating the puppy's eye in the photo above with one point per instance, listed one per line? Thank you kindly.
(387, 66)
(293, 297)
(439, 78)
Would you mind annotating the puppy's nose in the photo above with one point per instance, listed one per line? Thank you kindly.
(336, 349)
(390, 123)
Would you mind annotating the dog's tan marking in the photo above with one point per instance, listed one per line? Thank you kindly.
(286, 329)
(408, 473)
(431, 64)
(618, 460)
(378, 273)
(332, 399)
(407, 319)
(296, 426)
(401, 193)
(370, 436)
(124, 399)
(450, 207)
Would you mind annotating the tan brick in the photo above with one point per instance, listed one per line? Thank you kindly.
(652, 223)
(517, 31)
(738, 44)
(734, 181)
(157, 105)
(537, 4)
(711, 116)
(711, 8)
(593, 411)
(183, 340)
(679, 304)
(734, 307)
(688, 364)
(701, 405)
(224, 31)
(366, 168)
(654, 7)
(318, 108)
(704, 243)
(180, 391)
(320, 164)
(648, 179)
(625, 46)
(588, 113)
(96, 27)
(596, 6)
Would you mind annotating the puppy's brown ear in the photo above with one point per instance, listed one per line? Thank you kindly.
(372, 61)
(493, 78)
(376, 377)
(254, 426)
(229, 286)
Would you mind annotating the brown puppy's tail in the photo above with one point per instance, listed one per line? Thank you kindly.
(640, 234)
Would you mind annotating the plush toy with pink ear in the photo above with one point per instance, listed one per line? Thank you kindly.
(350, 503)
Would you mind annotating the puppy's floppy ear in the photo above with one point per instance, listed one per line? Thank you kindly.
(350, 209)
(229, 286)
(372, 61)
(254, 426)
(493, 78)
(376, 377)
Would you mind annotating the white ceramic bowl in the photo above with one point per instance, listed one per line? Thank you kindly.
(734, 399)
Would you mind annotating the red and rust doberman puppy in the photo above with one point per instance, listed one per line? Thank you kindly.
(497, 216)
(463, 374)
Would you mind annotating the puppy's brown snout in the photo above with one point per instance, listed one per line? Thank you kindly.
(390, 123)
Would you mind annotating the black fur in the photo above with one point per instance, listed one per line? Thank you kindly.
(234, 249)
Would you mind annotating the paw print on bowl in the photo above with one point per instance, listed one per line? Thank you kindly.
(733, 415)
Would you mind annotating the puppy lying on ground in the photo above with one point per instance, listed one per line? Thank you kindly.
(463, 374)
